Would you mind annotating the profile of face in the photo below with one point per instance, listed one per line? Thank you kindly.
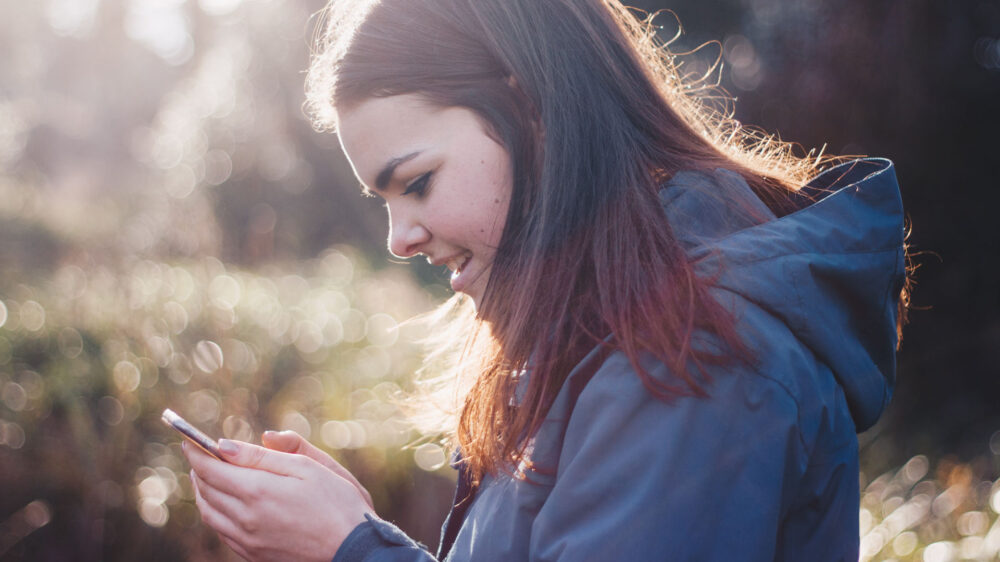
(445, 181)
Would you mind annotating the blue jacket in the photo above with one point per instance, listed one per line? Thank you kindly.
(766, 467)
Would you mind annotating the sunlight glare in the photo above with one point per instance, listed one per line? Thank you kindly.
(72, 17)
(219, 7)
(160, 26)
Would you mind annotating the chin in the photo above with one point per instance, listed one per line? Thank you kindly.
(474, 293)
(475, 299)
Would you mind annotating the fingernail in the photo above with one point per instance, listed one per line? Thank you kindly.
(228, 447)
(269, 433)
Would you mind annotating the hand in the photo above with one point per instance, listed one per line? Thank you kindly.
(291, 442)
(274, 505)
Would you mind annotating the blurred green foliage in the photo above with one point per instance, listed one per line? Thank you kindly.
(90, 358)
(940, 513)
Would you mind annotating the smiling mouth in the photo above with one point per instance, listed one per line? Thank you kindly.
(457, 264)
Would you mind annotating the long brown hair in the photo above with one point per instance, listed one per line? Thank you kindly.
(595, 115)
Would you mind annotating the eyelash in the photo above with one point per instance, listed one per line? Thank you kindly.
(419, 185)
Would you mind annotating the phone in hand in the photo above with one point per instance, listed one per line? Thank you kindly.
(192, 433)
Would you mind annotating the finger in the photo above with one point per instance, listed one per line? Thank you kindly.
(236, 481)
(292, 442)
(248, 455)
(242, 461)
(213, 471)
(211, 516)
(237, 547)
(227, 505)
(228, 531)
(198, 457)
(284, 441)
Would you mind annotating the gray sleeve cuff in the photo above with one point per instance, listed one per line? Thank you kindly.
(376, 539)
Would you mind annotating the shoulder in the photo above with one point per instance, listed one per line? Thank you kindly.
(785, 392)
(614, 408)
(734, 389)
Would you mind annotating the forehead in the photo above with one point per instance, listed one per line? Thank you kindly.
(378, 129)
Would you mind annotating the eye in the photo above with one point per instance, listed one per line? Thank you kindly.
(419, 185)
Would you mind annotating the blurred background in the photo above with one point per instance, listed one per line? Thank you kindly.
(173, 233)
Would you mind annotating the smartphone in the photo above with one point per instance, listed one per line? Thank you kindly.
(192, 433)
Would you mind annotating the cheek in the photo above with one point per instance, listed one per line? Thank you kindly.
(500, 202)
(483, 187)
(496, 198)
(486, 212)
(498, 212)
(481, 224)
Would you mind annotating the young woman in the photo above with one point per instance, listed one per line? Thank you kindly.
(673, 330)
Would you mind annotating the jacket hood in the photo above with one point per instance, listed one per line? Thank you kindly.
(832, 271)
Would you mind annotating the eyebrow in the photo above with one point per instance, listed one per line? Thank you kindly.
(383, 177)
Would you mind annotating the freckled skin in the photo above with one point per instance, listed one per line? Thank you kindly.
(453, 219)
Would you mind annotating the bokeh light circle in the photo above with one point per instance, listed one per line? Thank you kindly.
(70, 342)
(295, 421)
(203, 406)
(110, 410)
(941, 551)
(153, 513)
(207, 356)
(429, 456)
(126, 376)
(237, 428)
(32, 316)
(14, 396)
(14, 436)
(37, 514)
(905, 543)
(382, 330)
(225, 292)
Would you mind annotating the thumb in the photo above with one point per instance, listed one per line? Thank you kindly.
(291, 442)
(254, 456)
(284, 441)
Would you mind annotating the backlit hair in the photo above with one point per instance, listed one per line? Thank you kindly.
(596, 117)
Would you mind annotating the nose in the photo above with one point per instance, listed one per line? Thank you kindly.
(406, 235)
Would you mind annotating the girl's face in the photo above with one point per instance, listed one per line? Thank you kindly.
(446, 183)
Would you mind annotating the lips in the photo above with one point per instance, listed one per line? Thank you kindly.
(457, 266)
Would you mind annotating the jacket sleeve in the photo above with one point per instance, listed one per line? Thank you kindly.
(376, 540)
(694, 479)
